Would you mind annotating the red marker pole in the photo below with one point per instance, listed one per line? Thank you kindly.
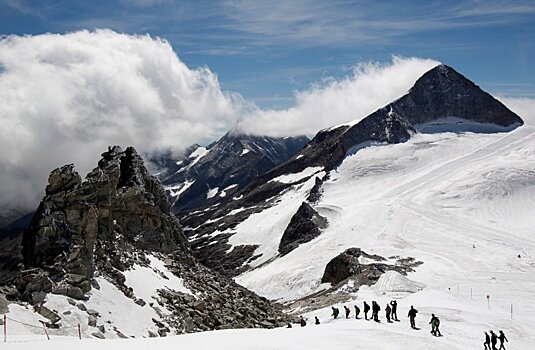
(79, 332)
(5, 328)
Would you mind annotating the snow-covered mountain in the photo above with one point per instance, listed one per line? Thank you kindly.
(247, 233)
(206, 176)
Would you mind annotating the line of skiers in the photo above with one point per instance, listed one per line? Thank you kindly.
(492, 340)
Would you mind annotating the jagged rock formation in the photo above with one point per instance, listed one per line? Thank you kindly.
(103, 227)
(441, 100)
(347, 264)
(118, 208)
(207, 176)
(304, 226)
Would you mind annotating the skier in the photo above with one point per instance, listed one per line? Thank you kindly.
(502, 338)
(303, 322)
(388, 310)
(357, 312)
(335, 312)
(412, 316)
(487, 341)
(317, 320)
(435, 323)
(394, 310)
(289, 325)
(493, 340)
(366, 310)
(347, 311)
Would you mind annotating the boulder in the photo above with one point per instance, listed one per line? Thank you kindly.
(92, 321)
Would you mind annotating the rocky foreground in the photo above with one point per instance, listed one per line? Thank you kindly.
(100, 228)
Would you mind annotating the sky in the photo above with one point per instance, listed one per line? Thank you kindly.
(266, 50)
(78, 76)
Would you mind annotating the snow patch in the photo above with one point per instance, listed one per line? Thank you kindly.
(295, 177)
(177, 190)
(212, 192)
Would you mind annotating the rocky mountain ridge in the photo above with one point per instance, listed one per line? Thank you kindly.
(104, 229)
(211, 175)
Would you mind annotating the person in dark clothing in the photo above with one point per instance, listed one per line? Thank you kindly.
(394, 310)
(289, 325)
(493, 340)
(502, 338)
(388, 310)
(487, 341)
(435, 323)
(335, 312)
(303, 322)
(366, 310)
(375, 311)
(317, 320)
(412, 316)
(347, 310)
(357, 312)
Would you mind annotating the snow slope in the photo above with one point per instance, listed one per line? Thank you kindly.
(115, 310)
(463, 204)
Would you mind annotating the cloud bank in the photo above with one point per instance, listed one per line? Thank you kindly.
(65, 98)
(368, 87)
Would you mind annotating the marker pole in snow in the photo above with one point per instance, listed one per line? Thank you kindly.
(46, 332)
(511, 311)
(79, 332)
(488, 300)
(5, 328)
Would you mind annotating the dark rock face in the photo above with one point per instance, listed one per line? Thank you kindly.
(119, 207)
(346, 265)
(304, 226)
(443, 92)
(229, 165)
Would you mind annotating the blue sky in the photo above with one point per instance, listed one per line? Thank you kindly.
(266, 50)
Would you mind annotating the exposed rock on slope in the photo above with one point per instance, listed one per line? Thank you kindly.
(304, 227)
(106, 226)
(348, 264)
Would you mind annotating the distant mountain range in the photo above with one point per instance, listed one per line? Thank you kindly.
(206, 176)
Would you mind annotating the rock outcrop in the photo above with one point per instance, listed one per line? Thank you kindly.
(102, 227)
(304, 226)
(348, 264)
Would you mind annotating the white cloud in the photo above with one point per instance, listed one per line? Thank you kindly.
(65, 98)
(523, 106)
(335, 101)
